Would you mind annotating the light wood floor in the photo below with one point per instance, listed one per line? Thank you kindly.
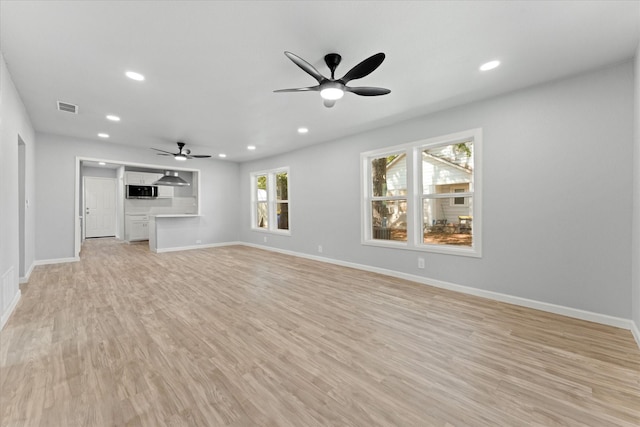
(237, 336)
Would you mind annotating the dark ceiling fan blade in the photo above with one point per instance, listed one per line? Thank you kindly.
(199, 156)
(308, 68)
(162, 154)
(300, 89)
(364, 68)
(163, 151)
(368, 91)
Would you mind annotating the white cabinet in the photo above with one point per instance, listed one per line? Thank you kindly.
(165, 191)
(137, 227)
(141, 178)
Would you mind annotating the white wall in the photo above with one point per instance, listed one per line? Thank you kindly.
(635, 252)
(14, 124)
(98, 172)
(55, 191)
(557, 184)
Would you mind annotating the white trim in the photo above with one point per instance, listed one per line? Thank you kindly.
(635, 330)
(188, 248)
(7, 314)
(604, 319)
(25, 279)
(56, 260)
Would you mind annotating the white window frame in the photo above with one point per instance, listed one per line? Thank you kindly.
(272, 201)
(414, 197)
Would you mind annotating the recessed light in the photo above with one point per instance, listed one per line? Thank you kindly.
(251, 147)
(113, 118)
(489, 65)
(303, 130)
(103, 135)
(102, 163)
(222, 155)
(134, 76)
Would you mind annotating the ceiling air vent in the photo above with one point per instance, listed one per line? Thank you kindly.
(69, 108)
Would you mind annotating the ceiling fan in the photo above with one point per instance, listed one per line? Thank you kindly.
(182, 154)
(333, 89)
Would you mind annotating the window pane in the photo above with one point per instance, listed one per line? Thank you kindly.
(261, 188)
(389, 176)
(283, 216)
(446, 165)
(389, 220)
(262, 215)
(445, 223)
(281, 186)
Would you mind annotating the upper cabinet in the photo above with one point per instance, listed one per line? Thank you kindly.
(165, 191)
(141, 178)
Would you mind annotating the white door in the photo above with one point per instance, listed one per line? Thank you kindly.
(99, 207)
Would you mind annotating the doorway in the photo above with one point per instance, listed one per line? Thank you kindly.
(99, 207)
(22, 205)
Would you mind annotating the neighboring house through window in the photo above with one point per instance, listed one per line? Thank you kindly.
(424, 195)
(270, 200)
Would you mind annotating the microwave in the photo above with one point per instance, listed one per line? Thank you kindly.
(142, 191)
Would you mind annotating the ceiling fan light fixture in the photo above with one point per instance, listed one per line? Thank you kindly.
(332, 92)
(172, 179)
(332, 89)
(180, 157)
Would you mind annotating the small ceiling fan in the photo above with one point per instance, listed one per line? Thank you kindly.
(182, 154)
(333, 89)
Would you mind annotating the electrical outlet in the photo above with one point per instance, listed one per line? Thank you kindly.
(320, 248)
(265, 239)
(198, 242)
(420, 262)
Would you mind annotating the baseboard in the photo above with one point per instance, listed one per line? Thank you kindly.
(635, 330)
(5, 317)
(188, 248)
(56, 261)
(25, 279)
(524, 302)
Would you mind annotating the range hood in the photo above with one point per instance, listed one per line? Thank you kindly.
(172, 179)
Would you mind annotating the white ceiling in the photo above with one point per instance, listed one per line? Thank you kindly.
(211, 67)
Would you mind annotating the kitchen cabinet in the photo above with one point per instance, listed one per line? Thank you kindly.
(137, 227)
(165, 191)
(141, 178)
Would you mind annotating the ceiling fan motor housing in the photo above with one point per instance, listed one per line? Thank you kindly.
(332, 60)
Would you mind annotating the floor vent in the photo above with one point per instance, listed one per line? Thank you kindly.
(69, 108)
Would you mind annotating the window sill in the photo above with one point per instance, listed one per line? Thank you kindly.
(439, 249)
(276, 232)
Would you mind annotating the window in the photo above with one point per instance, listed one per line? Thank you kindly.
(270, 200)
(424, 195)
(459, 201)
(389, 197)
